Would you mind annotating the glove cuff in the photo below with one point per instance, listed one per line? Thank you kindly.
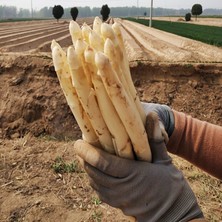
(166, 116)
(184, 209)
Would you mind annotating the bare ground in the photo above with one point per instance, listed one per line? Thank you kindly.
(40, 178)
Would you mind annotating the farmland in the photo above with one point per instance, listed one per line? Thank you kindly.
(204, 33)
(40, 177)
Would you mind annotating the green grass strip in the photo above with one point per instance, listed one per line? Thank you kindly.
(208, 34)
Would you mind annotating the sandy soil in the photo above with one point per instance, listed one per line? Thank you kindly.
(37, 129)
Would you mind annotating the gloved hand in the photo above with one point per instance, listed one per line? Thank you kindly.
(164, 113)
(152, 192)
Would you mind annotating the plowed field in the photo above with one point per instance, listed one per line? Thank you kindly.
(37, 129)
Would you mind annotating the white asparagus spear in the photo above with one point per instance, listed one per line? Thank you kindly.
(87, 98)
(121, 140)
(110, 52)
(86, 30)
(108, 32)
(80, 48)
(82, 120)
(95, 41)
(97, 25)
(125, 109)
(75, 31)
(125, 64)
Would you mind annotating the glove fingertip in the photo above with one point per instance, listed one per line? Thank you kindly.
(87, 152)
(81, 161)
(156, 138)
(153, 128)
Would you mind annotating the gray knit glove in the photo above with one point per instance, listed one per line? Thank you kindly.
(152, 192)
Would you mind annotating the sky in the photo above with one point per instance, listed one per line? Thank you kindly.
(176, 4)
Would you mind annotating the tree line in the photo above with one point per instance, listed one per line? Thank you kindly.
(10, 12)
(58, 12)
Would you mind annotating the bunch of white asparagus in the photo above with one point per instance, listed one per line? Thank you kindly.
(95, 77)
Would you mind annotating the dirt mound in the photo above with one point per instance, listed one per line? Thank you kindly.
(31, 99)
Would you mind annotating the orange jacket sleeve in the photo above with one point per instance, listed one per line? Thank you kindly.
(198, 142)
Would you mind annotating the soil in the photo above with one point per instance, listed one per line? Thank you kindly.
(40, 177)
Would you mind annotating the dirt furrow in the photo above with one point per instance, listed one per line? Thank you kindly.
(20, 27)
(33, 43)
(63, 41)
(199, 51)
(171, 47)
(135, 50)
(161, 50)
(30, 35)
(21, 32)
(35, 36)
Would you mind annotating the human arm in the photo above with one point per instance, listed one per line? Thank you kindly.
(197, 141)
(154, 191)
